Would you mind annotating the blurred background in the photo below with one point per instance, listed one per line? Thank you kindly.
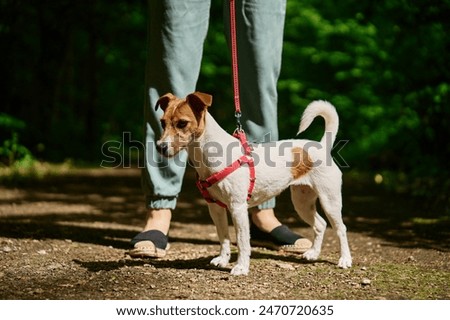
(73, 79)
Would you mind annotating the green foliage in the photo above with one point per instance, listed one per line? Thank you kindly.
(12, 152)
(75, 74)
(10, 123)
(383, 65)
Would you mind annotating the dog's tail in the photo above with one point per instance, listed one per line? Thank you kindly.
(327, 111)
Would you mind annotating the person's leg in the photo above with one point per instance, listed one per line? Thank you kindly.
(176, 32)
(260, 27)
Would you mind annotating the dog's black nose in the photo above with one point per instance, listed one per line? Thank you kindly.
(163, 147)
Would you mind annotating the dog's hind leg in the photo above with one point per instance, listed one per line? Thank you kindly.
(304, 200)
(331, 202)
(220, 219)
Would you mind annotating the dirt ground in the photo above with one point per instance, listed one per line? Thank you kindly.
(65, 237)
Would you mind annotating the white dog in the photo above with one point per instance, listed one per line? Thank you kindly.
(306, 166)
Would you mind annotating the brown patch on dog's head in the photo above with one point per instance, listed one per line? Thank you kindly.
(301, 163)
(163, 101)
(182, 121)
(199, 103)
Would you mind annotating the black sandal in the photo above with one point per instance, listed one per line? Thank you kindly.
(280, 238)
(149, 244)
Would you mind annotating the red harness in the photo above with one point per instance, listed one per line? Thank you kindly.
(247, 158)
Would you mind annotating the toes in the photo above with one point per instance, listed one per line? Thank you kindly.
(239, 270)
(311, 255)
(345, 263)
(219, 262)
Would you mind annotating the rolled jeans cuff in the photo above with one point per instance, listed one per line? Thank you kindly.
(269, 204)
(161, 203)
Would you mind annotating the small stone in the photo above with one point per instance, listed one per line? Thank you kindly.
(6, 249)
(285, 266)
(42, 252)
(366, 282)
(411, 259)
(54, 266)
(364, 268)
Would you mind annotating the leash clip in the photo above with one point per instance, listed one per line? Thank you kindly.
(238, 116)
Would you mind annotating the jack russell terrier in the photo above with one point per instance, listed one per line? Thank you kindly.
(251, 178)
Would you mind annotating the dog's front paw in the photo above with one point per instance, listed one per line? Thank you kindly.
(220, 261)
(240, 270)
(345, 262)
(311, 254)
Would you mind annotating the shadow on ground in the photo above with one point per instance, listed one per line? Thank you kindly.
(106, 207)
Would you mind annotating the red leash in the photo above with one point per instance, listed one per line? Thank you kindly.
(239, 133)
(234, 58)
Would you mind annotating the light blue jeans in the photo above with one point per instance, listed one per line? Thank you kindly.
(177, 31)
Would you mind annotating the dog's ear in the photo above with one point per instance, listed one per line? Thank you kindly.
(163, 101)
(199, 100)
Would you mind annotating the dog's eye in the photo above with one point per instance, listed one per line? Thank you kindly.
(163, 124)
(181, 124)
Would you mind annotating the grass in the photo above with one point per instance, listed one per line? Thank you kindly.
(400, 281)
(378, 282)
(29, 169)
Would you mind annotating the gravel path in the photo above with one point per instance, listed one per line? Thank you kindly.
(65, 237)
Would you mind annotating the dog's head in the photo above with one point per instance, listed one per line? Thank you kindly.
(183, 121)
